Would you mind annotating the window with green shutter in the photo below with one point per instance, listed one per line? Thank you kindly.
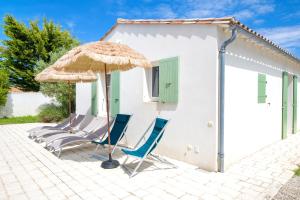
(262, 82)
(168, 80)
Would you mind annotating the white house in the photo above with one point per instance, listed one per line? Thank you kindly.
(186, 86)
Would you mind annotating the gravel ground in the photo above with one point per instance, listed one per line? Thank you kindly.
(290, 191)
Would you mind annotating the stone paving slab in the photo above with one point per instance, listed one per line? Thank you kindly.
(28, 171)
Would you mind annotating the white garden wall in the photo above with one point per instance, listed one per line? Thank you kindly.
(23, 103)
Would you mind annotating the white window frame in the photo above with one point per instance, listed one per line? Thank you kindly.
(148, 84)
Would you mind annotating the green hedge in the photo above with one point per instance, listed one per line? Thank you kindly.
(51, 113)
(4, 86)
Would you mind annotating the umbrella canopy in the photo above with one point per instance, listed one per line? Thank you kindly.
(50, 74)
(101, 57)
(97, 56)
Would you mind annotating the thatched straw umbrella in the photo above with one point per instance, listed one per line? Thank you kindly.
(51, 75)
(102, 57)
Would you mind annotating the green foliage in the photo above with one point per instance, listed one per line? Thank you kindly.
(297, 172)
(51, 113)
(2, 49)
(28, 44)
(4, 86)
(62, 92)
(19, 120)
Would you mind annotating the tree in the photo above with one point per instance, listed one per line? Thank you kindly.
(60, 91)
(4, 86)
(4, 81)
(26, 45)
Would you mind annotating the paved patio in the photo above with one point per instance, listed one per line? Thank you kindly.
(28, 171)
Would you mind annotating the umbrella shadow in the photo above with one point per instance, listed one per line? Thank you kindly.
(102, 154)
(87, 153)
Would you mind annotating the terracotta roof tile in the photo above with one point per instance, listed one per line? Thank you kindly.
(15, 90)
(222, 20)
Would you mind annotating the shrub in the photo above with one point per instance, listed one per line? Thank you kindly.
(51, 113)
(4, 86)
(60, 91)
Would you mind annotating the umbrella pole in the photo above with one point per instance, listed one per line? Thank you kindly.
(110, 163)
(69, 93)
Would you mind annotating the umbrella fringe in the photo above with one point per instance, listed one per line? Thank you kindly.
(94, 56)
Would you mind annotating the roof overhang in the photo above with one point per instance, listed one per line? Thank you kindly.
(223, 21)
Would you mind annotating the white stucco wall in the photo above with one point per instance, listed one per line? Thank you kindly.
(298, 105)
(23, 103)
(197, 51)
(83, 98)
(249, 126)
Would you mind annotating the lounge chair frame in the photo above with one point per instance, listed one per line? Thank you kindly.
(80, 140)
(63, 124)
(75, 129)
(65, 144)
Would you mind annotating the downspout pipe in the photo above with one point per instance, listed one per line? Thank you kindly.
(221, 97)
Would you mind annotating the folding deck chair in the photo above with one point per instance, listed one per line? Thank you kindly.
(141, 151)
(117, 132)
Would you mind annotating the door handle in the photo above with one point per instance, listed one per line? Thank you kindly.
(168, 84)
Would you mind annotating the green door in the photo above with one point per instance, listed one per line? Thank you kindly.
(94, 99)
(115, 94)
(284, 104)
(295, 83)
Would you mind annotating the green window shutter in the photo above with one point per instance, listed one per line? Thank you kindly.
(295, 84)
(168, 80)
(94, 99)
(262, 82)
(115, 94)
(285, 82)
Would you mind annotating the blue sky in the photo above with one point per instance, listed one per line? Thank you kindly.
(88, 20)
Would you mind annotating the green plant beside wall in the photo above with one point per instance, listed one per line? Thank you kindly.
(51, 113)
(59, 91)
(4, 86)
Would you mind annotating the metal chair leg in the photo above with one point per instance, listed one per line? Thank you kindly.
(125, 160)
(136, 168)
(113, 150)
(97, 147)
(59, 152)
